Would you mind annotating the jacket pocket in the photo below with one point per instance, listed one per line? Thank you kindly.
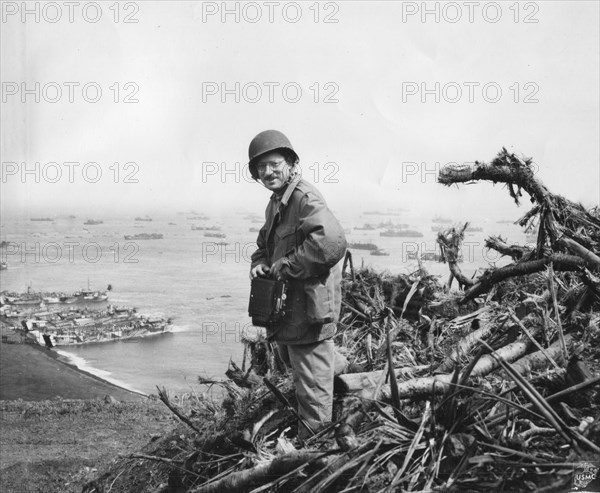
(285, 240)
(319, 300)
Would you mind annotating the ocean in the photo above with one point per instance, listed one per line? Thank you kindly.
(201, 285)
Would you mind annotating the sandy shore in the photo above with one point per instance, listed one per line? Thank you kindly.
(33, 373)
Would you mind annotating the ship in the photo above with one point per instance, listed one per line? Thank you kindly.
(51, 299)
(47, 219)
(366, 227)
(215, 235)
(381, 213)
(87, 296)
(144, 236)
(29, 299)
(363, 246)
(93, 222)
(147, 218)
(390, 225)
(474, 229)
(380, 253)
(12, 299)
(429, 256)
(405, 233)
(83, 326)
(443, 220)
(205, 228)
(32, 298)
(68, 299)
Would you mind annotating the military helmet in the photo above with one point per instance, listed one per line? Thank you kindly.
(267, 141)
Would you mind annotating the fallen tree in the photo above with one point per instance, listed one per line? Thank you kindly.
(568, 230)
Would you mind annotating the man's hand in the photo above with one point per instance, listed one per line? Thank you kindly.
(261, 270)
(278, 269)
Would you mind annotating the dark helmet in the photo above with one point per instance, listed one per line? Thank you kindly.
(267, 141)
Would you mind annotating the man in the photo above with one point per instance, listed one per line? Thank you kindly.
(301, 242)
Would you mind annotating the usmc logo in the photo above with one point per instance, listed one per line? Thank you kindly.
(584, 474)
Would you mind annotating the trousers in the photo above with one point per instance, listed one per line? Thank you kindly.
(313, 370)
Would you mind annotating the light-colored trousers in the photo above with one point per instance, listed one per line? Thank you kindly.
(313, 369)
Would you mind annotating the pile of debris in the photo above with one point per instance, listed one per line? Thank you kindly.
(491, 386)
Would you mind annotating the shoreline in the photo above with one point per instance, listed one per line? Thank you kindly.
(68, 360)
(32, 373)
(63, 360)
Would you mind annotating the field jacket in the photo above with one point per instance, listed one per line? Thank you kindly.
(300, 230)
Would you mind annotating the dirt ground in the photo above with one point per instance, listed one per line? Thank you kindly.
(60, 425)
(57, 446)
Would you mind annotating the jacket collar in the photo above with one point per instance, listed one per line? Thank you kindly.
(285, 196)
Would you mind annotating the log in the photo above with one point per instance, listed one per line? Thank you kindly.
(591, 260)
(561, 262)
(505, 168)
(350, 383)
(463, 347)
(424, 386)
(261, 474)
(516, 252)
(538, 360)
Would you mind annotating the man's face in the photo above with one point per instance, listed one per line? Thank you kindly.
(273, 170)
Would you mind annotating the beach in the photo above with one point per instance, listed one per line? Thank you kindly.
(33, 373)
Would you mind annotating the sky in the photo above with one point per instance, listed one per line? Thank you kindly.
(148, 107)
